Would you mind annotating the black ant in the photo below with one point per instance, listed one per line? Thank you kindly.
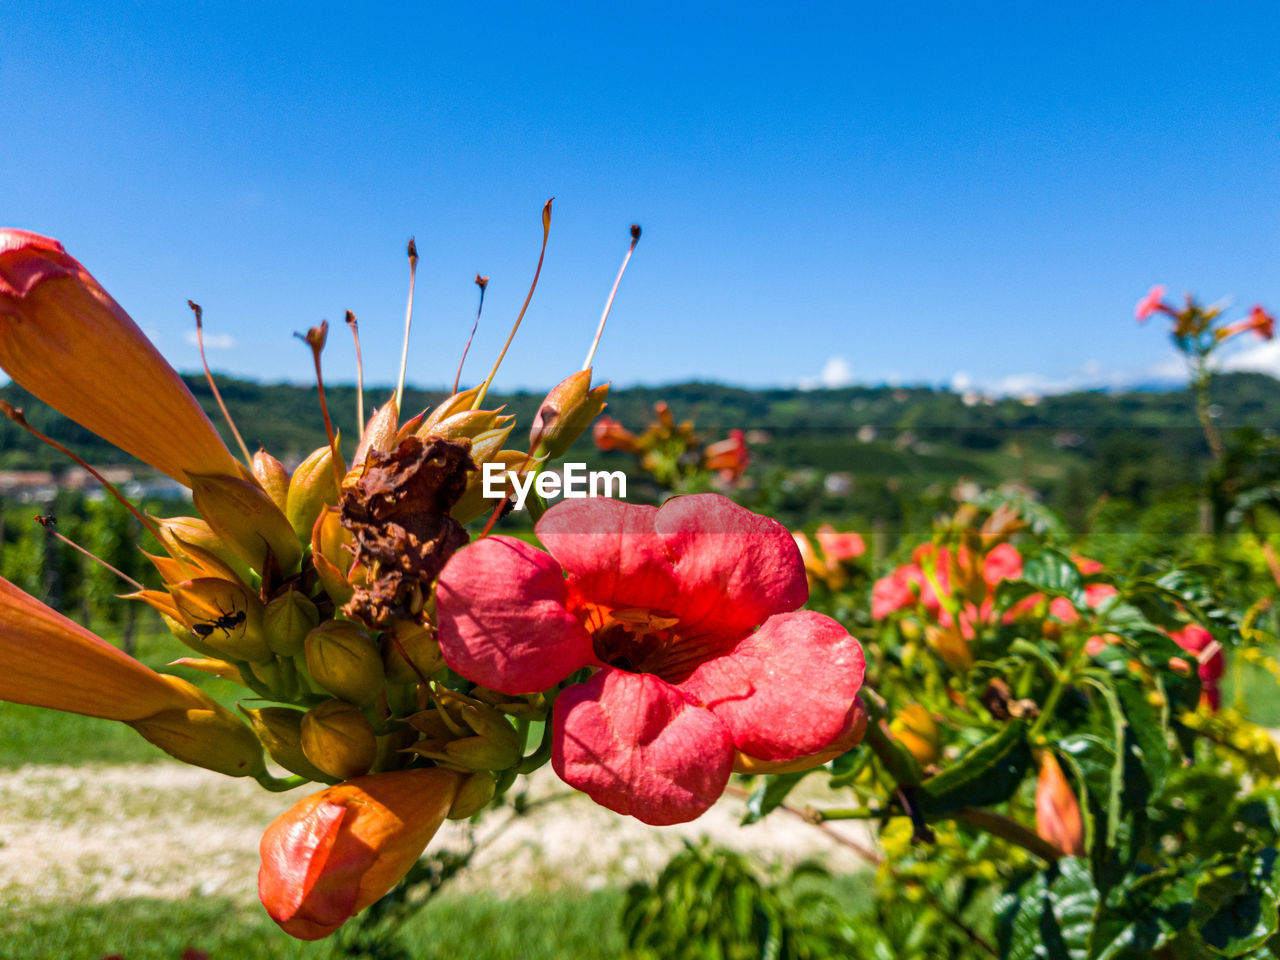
(46, 521)
(226, 622)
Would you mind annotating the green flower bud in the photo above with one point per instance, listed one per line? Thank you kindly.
(338, 739)
(243, 516)
(204, 735)
(287, 620)
(312, 487)
(410, 652)
(342, 658)
(473, 795)
(279, 729)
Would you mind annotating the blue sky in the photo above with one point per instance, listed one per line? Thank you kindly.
(972, 191)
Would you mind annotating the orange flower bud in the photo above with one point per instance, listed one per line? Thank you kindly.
(914, 726)
(180, 534)
(379, 433)
(566, 413)
(63, 338)
(331, 855)
(1058, 818)
(243, 516)
(338, 739)
(330, 556)
(609, 434)
(272, 477)
(312, 488)
(456, 403)
(224, 616)
(204, 734)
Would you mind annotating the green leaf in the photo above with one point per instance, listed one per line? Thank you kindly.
(1049, 916)
(1250, 915)
(1144, 913)
(1097, 764)
(987, 774)
(1147, 727)
(769, 795)
(1052, 572)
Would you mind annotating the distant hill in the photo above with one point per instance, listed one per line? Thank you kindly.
(895, 444)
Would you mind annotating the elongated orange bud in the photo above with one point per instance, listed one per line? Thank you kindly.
(272, 477)
(566, 413)
(1058, 818)
(50, 661)
(329, 856)
(63, 338)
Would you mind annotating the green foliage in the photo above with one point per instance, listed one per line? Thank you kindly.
(714, 904)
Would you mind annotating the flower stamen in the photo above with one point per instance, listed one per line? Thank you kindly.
(315, 338)
(208, 375)
(355, 335)
(608, 305)
(546, 230)
(48, 524)
(14, 414)
(408, 319)
(482, 283)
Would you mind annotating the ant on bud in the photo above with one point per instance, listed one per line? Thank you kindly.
(226, 622)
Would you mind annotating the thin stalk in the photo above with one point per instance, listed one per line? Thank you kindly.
(546, 230)
(195, 308)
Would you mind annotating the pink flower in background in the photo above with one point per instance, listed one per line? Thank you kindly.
(1003, 562)
(728, 458)
(1259, 321)
(839, 546)
(1196, 640)
(688, 616)
(1153, 302)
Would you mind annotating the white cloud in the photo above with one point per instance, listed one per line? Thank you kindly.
(961, 381)
(1260, 357)
(213, 341)
(836, 373)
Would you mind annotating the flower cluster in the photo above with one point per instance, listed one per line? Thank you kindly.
(387, 659)
(673, 453)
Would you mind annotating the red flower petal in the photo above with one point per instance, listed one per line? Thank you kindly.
(502, 618)
(785, 691)
(633, 744)
(717, 566)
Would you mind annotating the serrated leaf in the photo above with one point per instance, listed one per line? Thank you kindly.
(1148, 730)
(989, 773)
(1051, 571)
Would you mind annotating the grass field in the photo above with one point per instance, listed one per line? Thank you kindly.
(569, 926)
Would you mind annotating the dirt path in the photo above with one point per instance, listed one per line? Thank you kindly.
(165, 830)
